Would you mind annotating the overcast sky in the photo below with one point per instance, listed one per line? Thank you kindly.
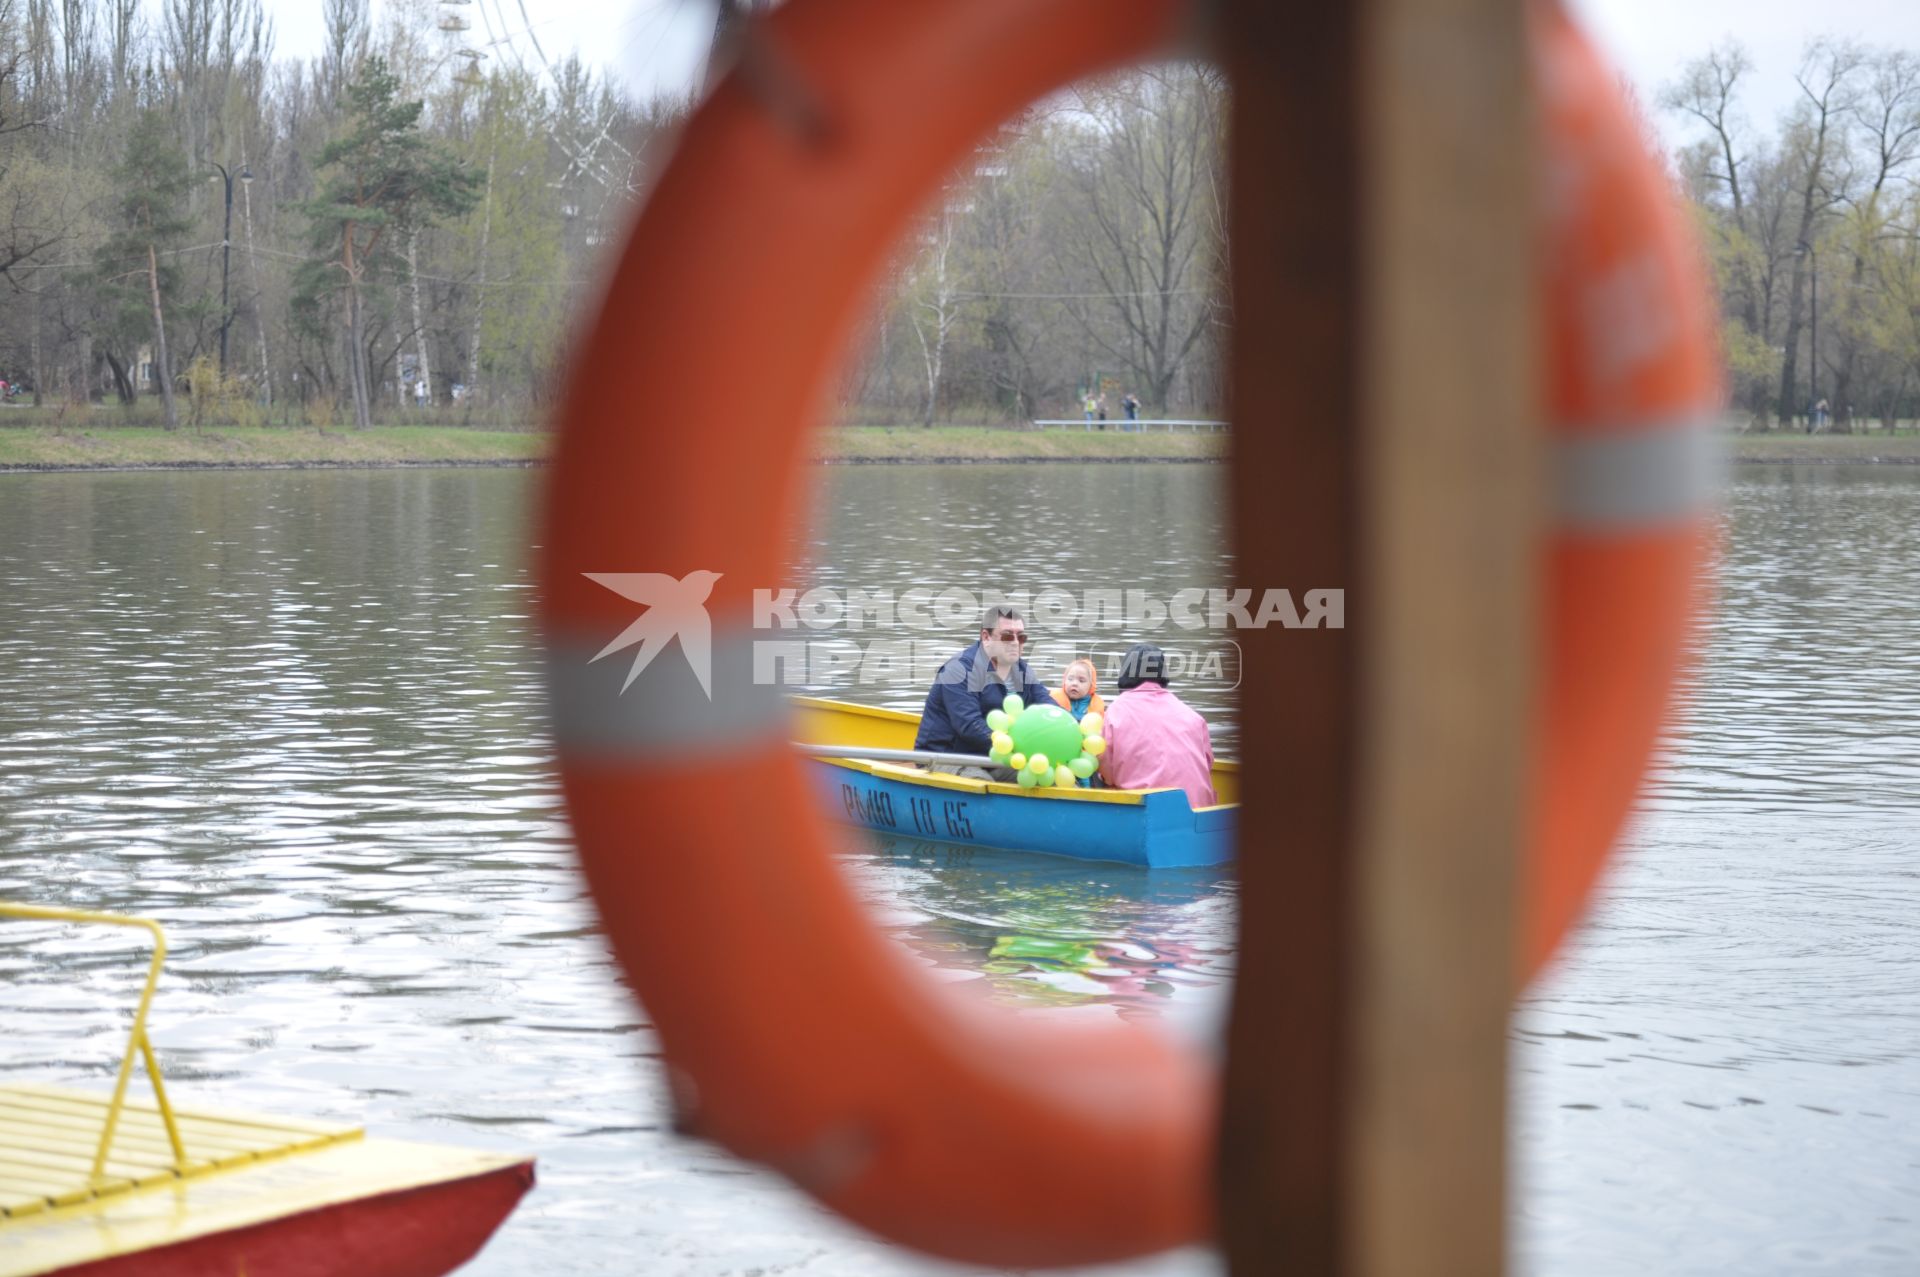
(1650, 40)
(661, 44)
(653, 44)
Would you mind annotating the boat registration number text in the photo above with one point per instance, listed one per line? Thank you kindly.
(947, 818)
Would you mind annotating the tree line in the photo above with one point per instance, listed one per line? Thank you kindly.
(402, 219)
(1813, 231)
(406, 220)
(409, 220)
(196, 226)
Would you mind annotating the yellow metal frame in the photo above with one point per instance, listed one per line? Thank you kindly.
(136, 1040)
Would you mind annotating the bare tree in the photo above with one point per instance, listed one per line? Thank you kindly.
(348, 30)
(935, 305)
(15, 114)
(1708, 90)
(1142, 187)
(1827, 85)
(1888, 117)
(1010, 255)
(123, 31)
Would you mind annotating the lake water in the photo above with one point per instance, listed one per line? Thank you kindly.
(295, 716)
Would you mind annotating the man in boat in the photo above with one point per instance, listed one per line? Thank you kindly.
(973, 685)
(1154, 741)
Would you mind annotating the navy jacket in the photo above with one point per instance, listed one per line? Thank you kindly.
(967, 689)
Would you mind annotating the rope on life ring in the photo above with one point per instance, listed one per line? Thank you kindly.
(794, 1033)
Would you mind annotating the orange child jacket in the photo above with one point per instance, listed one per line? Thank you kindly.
(1094, 706)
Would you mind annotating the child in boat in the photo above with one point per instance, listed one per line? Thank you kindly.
(1079, 693)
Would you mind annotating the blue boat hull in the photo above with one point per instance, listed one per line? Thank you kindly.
(1160, 831)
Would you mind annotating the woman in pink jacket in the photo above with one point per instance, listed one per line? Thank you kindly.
(1154, 741)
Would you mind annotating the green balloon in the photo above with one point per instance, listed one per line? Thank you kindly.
(1049, 730)
(997, 719)
(1013, 705)
(1027, 779)
(1081, 767)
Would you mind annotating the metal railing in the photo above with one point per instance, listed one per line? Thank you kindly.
(136, 1040)
(1124, 426)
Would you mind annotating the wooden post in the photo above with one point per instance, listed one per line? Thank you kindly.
(1383, 198)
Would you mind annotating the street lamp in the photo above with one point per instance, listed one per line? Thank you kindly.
(1806, 250)
(226, 254)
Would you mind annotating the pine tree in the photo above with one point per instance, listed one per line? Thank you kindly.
(381, 181)
(135, 270)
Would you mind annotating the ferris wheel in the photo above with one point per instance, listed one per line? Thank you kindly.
(454, 22)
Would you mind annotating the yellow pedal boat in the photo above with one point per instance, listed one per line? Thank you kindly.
(106, 1187)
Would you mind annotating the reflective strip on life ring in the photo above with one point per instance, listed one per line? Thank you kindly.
(794, 1033)
(1633, 386)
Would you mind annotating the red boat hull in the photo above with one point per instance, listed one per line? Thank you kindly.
(417, 1232)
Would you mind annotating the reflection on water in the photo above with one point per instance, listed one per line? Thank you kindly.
(295, 716)
(1045, 930)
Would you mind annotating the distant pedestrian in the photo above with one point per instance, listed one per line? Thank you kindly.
(1087, 406)
(1102, 404)
(1130, 404)
(420, 393)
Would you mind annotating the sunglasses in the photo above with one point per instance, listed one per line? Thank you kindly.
(1009, 636)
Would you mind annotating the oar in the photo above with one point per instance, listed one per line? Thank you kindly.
(924, 756)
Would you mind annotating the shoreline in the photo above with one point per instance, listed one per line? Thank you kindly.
(1825, 461)
(139, 467)
(126, 449)
(536, 463)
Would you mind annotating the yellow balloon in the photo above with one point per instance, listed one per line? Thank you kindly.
(1002, 743)
(1064, 778)
(1091, 724)
(1017, 762)
(1038, 765)
(1095, 745)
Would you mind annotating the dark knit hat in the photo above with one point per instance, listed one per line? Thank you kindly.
(1143, 663)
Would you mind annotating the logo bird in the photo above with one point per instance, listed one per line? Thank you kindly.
(675, 609)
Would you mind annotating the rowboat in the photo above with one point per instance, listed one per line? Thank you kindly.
(106, 1186)
(1152, 828)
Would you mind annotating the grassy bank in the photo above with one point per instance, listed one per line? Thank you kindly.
(106, 445)
(1863, 449)
(85, 446)
(135, 446)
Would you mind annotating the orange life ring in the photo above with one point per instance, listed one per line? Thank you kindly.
(1633, 386)
(793, 1032)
